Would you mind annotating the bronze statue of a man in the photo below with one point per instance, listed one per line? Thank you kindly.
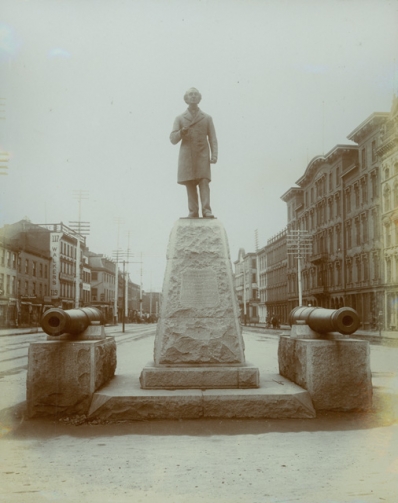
(196, 131)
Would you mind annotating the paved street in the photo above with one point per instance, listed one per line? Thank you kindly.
(333, 458)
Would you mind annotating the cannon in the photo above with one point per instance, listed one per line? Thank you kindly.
(57, 321)
(344, 320)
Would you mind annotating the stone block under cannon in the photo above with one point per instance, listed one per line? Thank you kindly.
(71, 365)
(333, 368)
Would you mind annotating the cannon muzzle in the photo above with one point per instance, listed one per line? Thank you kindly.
(71, 321)
(344, 320)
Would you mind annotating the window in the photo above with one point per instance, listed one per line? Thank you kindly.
(8, 259)
(349, 272)
(388, 267)
(26, 288)
(396, 195)
(348, 200)
(41, 270)
(356, 189)
(365, 234)
(357, 232)
(387, 198)
(364, 187)
(388, 235)
(3, 253)
(94, 276)
(337, 176)
(34, 266)
(359, 270)
(349, 243)
(26, 266)
(338, 206)
(363, 158)
(45, 271)
(338, 238)
(374, 185)
(365, 269)
(14, 260)
(373, 150)
(338, 274)
(375, 224)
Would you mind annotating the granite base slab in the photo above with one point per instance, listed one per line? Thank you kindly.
(122, 399)
(199, 377)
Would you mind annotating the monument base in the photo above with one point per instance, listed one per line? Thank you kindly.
(336, 373)
(199, 377)
(63, 375)
(122, 399)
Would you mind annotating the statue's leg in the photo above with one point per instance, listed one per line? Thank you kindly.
(193, 203)
(204, 189)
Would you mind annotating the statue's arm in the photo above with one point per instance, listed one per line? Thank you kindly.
(211, 133)
(175, 135)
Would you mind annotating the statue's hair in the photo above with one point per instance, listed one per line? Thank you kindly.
(185, 95)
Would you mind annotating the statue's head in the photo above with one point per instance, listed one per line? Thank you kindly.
(192, 96)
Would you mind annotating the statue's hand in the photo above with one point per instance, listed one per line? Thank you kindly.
(213, 160)
(183, 131)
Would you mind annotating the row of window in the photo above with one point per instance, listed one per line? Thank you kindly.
(10, 286)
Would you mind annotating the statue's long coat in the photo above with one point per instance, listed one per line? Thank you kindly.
(194, 158)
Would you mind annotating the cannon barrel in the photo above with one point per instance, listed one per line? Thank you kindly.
(344, 320)
(57, 321)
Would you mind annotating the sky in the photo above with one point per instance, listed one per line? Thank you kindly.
(90, 89)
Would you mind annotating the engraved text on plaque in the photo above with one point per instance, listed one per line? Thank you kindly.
(199, 288)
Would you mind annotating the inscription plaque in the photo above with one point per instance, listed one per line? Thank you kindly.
(199, 288)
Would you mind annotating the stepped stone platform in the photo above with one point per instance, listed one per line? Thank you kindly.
(123, 399)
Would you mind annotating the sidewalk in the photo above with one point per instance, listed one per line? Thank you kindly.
(4, 332)
(371, 335)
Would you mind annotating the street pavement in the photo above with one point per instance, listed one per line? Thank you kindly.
(335, 458)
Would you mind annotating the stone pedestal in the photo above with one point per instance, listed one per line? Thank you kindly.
(336, 373)
(63, 375)
(198, 326)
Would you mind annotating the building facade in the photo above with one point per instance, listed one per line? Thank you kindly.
(246, 288)
(262, 284)
(347, 201)
(103, 280)
(275, 277)
(387, 151)
(24, 274)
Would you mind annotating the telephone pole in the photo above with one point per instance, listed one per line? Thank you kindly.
(82, 228)
(299, 244)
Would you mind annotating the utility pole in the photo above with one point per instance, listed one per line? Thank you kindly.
(82, 228)
(141, 288)
(119, 221)
(299, 244)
